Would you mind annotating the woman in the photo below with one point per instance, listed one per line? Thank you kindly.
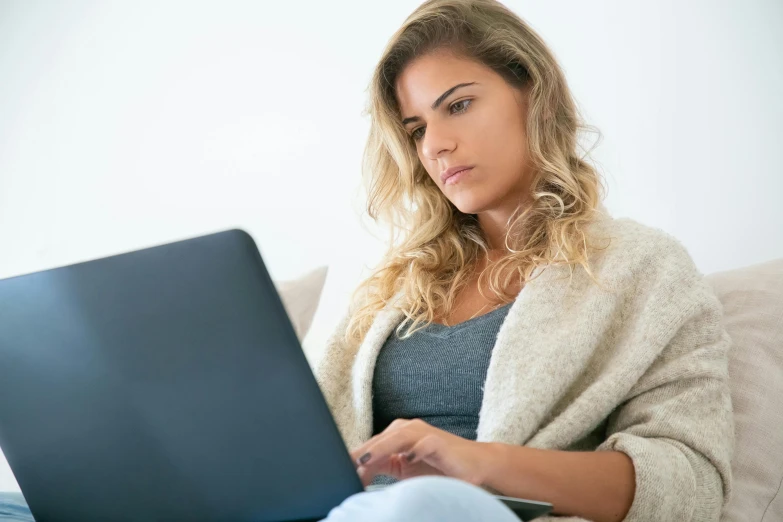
(516, 339)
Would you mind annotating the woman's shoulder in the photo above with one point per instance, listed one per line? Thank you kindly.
(627, 249)
(650, 273)
(625, 239)
(633, 237)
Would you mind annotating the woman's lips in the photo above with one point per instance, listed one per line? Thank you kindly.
(457, 176)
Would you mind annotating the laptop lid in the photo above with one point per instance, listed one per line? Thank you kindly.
(164, 384)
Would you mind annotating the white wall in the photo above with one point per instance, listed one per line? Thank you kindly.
(128, 124)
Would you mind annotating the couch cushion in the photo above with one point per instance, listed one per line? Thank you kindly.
(752, 300)
(300, 297)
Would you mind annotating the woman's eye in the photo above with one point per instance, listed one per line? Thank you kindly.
(455, 108)
(461, 106)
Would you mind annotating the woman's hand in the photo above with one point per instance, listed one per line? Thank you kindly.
(410, 448)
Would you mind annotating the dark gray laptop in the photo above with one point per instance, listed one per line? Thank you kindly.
(167, 384)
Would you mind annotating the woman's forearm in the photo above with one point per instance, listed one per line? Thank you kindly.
(596, 485)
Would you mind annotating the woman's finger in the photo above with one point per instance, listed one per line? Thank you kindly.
(426, 449)
(381, 456)
(362, 450)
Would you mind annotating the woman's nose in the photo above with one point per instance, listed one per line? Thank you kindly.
(438, 139)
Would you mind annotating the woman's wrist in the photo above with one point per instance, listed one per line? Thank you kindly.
(494, 456)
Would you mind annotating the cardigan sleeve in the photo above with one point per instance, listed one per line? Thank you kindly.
(676, 423)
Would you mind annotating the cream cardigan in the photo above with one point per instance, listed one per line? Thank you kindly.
(640, 368)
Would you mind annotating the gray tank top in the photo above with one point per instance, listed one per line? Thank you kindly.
(436, 375)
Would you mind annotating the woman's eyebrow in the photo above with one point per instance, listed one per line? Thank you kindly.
(440, 100)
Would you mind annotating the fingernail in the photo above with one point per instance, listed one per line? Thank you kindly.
(364, 458)
(410, 456)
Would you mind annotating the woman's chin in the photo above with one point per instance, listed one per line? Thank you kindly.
(469, 205)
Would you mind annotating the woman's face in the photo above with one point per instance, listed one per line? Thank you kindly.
(461, 113)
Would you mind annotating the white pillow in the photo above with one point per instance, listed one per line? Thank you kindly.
(752, 301)
(300, 298)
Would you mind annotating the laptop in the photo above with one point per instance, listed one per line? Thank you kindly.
(167, 384)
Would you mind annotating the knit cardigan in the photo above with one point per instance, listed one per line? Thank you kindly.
(639, 366)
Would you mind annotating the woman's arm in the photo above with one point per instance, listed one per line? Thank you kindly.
(596, 485)
(676, 428)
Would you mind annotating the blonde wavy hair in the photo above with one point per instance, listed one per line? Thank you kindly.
(434, 247)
